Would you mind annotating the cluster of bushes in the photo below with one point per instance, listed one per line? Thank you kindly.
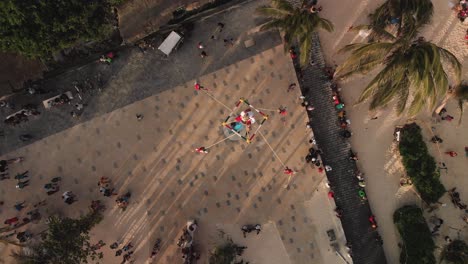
(420, 166)
(227, 252)
(456, 252)
(66, 240)
(418, 246)
(40, 28)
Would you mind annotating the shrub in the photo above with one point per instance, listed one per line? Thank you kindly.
(418, 246)
(66, 241)
(456, 252)
(227, 252)
(420, 166)
(40, 28)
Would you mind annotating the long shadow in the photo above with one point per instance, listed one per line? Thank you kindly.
(135, 75)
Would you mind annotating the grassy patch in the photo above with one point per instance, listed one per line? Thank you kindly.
(420, 166)
(418, 246)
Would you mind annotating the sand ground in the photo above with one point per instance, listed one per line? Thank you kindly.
(234, 184)
(152, 158)
(373, 140)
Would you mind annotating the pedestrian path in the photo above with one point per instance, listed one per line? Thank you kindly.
(316, 88)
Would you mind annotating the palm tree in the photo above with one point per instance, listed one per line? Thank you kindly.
(298, 24)
(413, 68)
(398, 17)
(456, 252)
(460, 93)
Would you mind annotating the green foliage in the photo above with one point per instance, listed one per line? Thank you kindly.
(298, 25)
(456, 252)
(402, 17)
(40, 28)
(419, 164)
(413, 69)
(66, 241)
(226, 253)
(116, 2)
(461, 94)
(418, 246)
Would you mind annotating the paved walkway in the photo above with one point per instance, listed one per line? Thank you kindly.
(234, 184)
(358, 231)
(134, 76)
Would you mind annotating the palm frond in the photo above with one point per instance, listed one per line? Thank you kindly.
(272, 12)
(453, 61)
(298, 25)
(363, 57)
(326, 24)
(461, 94)
(273, 24)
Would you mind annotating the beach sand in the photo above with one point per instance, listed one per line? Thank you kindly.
(373, 139)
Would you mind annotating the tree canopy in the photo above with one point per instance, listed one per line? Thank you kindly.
(418, 246)
(414, 71)
(298, 25)
(456, 252)
(39, 28)
(66, 241)
(419, 164)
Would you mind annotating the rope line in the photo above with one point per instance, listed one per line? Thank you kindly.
(220, 141)
(266, 109)
(219, 102)
(274, 152)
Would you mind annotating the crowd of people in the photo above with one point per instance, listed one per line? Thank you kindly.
(462, 10)
(227, 40)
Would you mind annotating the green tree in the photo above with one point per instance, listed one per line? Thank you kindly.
(417, 244)
(461, 94)
(412, 68)
(226, 252)
(297, 24)
(39, 28)
(398, 17)
(419, 164)
(66, 241)
(456, 252)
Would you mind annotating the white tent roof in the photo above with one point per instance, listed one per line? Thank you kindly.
(169, 43)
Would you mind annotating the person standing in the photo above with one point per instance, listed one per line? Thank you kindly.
(21, 184)
(19, 206)
(21, 176)
(451, 153)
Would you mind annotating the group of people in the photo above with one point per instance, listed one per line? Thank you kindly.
(444, 115)
(107, 58)
(313, 157)
(52, 186)
(311, 6)
(69, 197)
(456, 200)
(228, 41)
(189, 253)
(22, 182)
(127, 249)
(250, 228)
(123, 200)
(22, 116)
(105, 188)
(4, 166)
(462, 10)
